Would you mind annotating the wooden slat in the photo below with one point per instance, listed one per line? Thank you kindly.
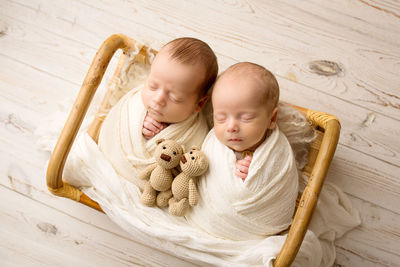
(379, 231)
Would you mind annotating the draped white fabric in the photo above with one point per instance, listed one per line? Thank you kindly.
(120, 199)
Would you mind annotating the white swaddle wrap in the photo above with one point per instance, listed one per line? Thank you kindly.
(122, 142)
(260, 206)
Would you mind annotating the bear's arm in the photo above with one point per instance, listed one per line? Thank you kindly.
(175, 171)
(193, 195)
(145, 174)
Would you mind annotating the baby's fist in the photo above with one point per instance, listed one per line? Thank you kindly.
(151, 127)
(242, 167)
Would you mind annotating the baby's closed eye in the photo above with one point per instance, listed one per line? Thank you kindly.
(247, 117)
(219, 117)
(152, 85)
(175, 98)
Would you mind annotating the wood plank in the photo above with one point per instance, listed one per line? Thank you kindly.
(345, 257)
(37, 234)
(364, 131)
(45, 54)
(367, 178)
(375, 240)
(38, 92)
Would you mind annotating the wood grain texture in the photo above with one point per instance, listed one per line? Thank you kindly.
(386, 238)
(340, 57)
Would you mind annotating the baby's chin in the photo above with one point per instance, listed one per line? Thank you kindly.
(162, 118)
(236, 147)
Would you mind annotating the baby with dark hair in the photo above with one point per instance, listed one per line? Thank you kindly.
(180, 77)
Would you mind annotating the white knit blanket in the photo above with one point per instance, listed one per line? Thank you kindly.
(122, 142)
(262, 205)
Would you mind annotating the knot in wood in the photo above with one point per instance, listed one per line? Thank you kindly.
(325, 67)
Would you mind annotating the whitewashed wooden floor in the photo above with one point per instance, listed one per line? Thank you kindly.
(46, 48)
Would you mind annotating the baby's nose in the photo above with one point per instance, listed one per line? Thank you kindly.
(232, 126)
(159, 98)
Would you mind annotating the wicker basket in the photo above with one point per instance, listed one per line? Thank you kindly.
(320, 155)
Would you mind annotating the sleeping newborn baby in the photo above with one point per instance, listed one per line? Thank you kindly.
(245, 100)
(262, 201)
(166, 106)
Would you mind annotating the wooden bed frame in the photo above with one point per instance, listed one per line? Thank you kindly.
(320, 155)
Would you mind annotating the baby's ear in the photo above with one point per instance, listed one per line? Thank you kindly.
(159, 141)
(274, 118)
(202, 101)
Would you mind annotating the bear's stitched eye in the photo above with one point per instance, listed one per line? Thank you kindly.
(191, 152)
(192, 158)
(174, 153)
(164, 147)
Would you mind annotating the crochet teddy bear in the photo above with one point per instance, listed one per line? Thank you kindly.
(193, 163)
(159, 175)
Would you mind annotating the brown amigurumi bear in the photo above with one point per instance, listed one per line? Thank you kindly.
(159, 175)
(193, 163)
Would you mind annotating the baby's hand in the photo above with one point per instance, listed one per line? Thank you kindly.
(242, 167)
(151, 127)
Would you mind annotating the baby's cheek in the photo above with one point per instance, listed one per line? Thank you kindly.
(180, 112)
(145, 98)
(219, 133)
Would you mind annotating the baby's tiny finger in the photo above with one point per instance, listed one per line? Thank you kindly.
(246, 162)
(157, 124)
(237, 164)
(240, 175)
(242, 162)
(243, 169)
(147, 133)
(150, 126)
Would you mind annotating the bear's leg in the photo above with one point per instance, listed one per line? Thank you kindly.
(178, 208)
(163, 197)
(149, 195)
